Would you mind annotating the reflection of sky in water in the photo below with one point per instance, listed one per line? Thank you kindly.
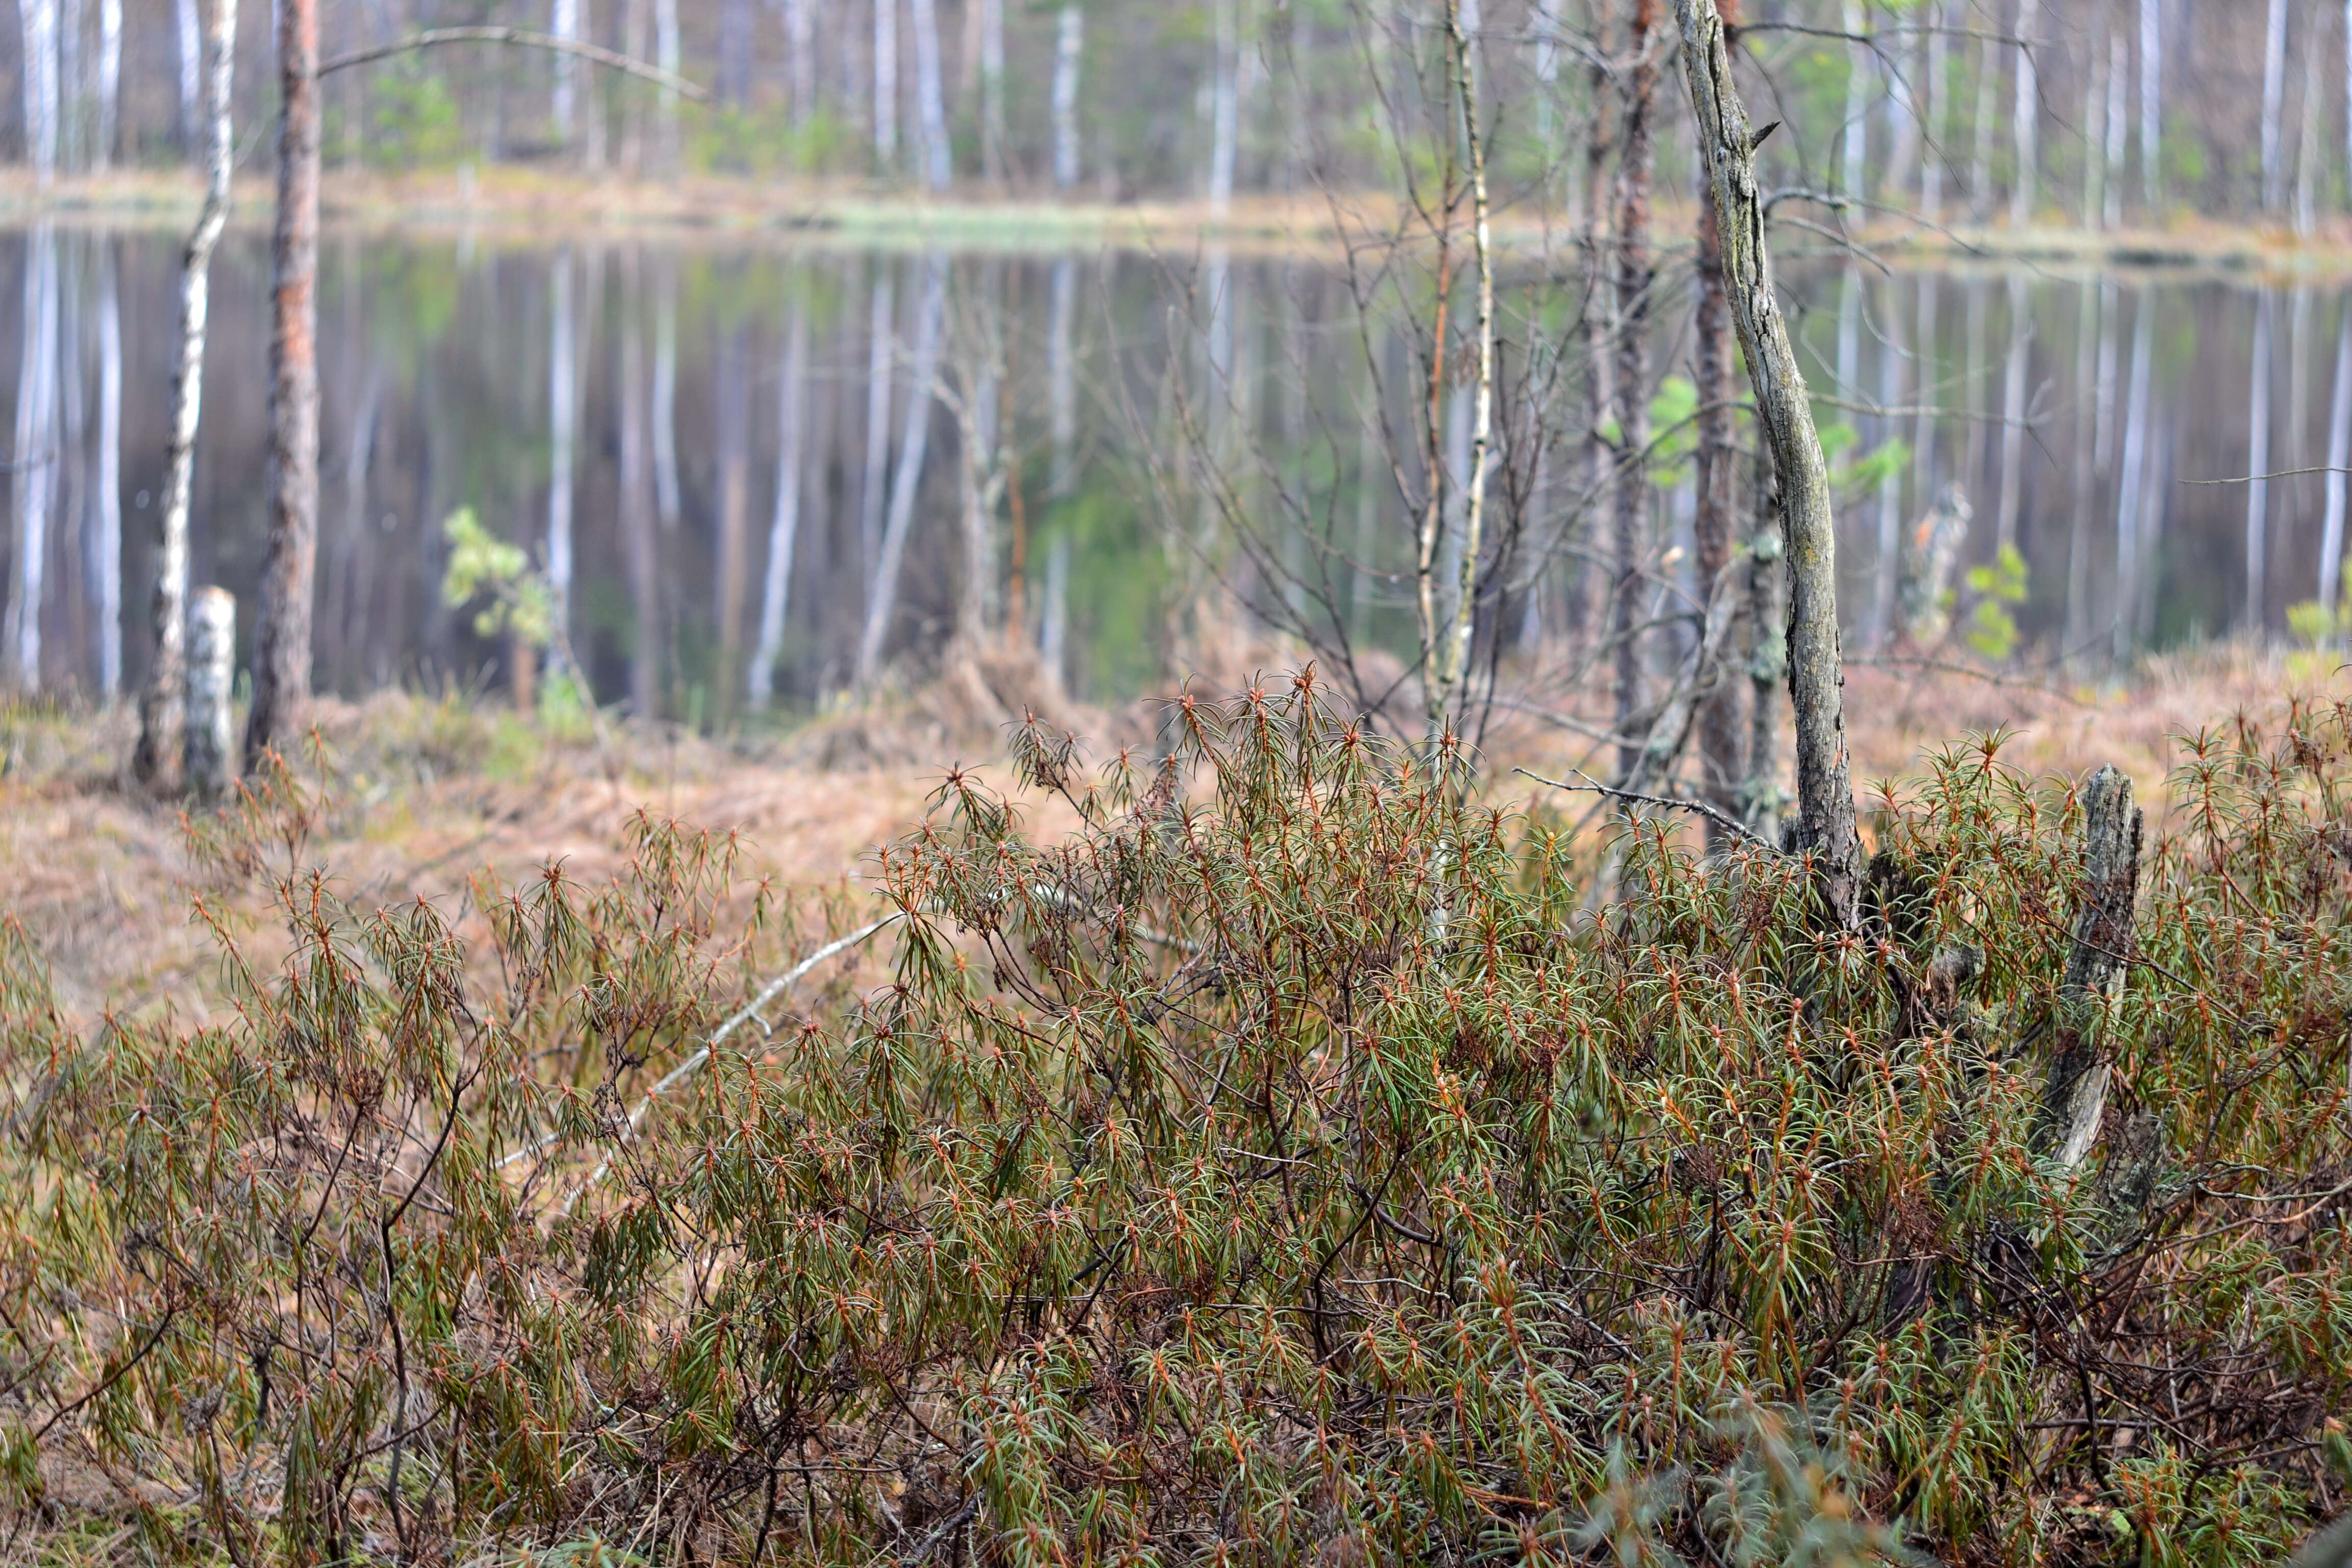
(631, 414)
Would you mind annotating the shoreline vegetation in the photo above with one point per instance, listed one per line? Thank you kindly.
(500, 204)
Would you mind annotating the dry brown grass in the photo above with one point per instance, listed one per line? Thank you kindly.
(433, 793)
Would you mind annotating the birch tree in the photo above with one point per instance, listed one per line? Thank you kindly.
(886, 87)
(1816, 666)
(109, 513)
(109, 81)
(282, 664)
(163, 706)
(2274, 105)
(2025, 117)
(1635, 277)
(37, 84)
(33, 470)
(2339, 458)
(2258, 462)
(2151, 105)
(783, 526)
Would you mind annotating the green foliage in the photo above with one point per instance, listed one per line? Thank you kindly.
(415, 122)
(521, 601)
(1990, 630)
(1282, 1165)
(1674, 418)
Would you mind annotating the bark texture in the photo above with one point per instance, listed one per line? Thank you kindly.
(281, 661)
(1718, 718)
(2076, 1093)
(1636, 275)
(1816, 663)
(212, 682)
(162, 707)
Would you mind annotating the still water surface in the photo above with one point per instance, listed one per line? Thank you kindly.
(724, 461)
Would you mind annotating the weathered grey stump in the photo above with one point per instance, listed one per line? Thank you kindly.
(2077, 1094)
(212, 686)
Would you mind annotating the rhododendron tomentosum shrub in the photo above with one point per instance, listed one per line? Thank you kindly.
(1276, 1167)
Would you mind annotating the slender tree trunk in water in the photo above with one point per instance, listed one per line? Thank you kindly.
(1061, 379)
(976, 470)
(1718, 718)
(562, 429)
(1631, 514)
(2025, 118)
(109, 476)
(931, 96)
(1890, 480)
(637, 501)
(884, 599)
(2258, 463)
(2086, 415)
(667, 503)
(784, 527)
(162, 707)
(281, 662)
(33, 476)
(2131, 481)
(1070, 38)
(880, 361)
(2012, 410)
(733, 439)
(2339, 457)
(2274, 105)
(1816, 672)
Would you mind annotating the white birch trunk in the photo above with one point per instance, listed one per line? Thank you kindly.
(2339, 457)
(1069, 51)
(2103, 396)
(908, 479)
(2094, 114)
(2085, 469)
(1890, 483)
(2025, 116)
(162, 708)
(2274, 105)
(109, 511)
(2306, 153)
(2012, 409)
(1053, 621)
(73, 87)
(886, 87)
(639, 540)
(212, 686)
(1980, 130)
(2258, 463)
(783, 528)
(931, 96)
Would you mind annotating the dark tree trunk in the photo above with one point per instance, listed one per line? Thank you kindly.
(1636, 275)
(1816, 664)
(281, 661)
(1718, 718)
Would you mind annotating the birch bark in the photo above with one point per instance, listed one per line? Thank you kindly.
(162, 707)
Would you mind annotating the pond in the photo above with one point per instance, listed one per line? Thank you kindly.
(741, 466)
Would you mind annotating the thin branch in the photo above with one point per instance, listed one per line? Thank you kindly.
(1591, 785)
(520, 39)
